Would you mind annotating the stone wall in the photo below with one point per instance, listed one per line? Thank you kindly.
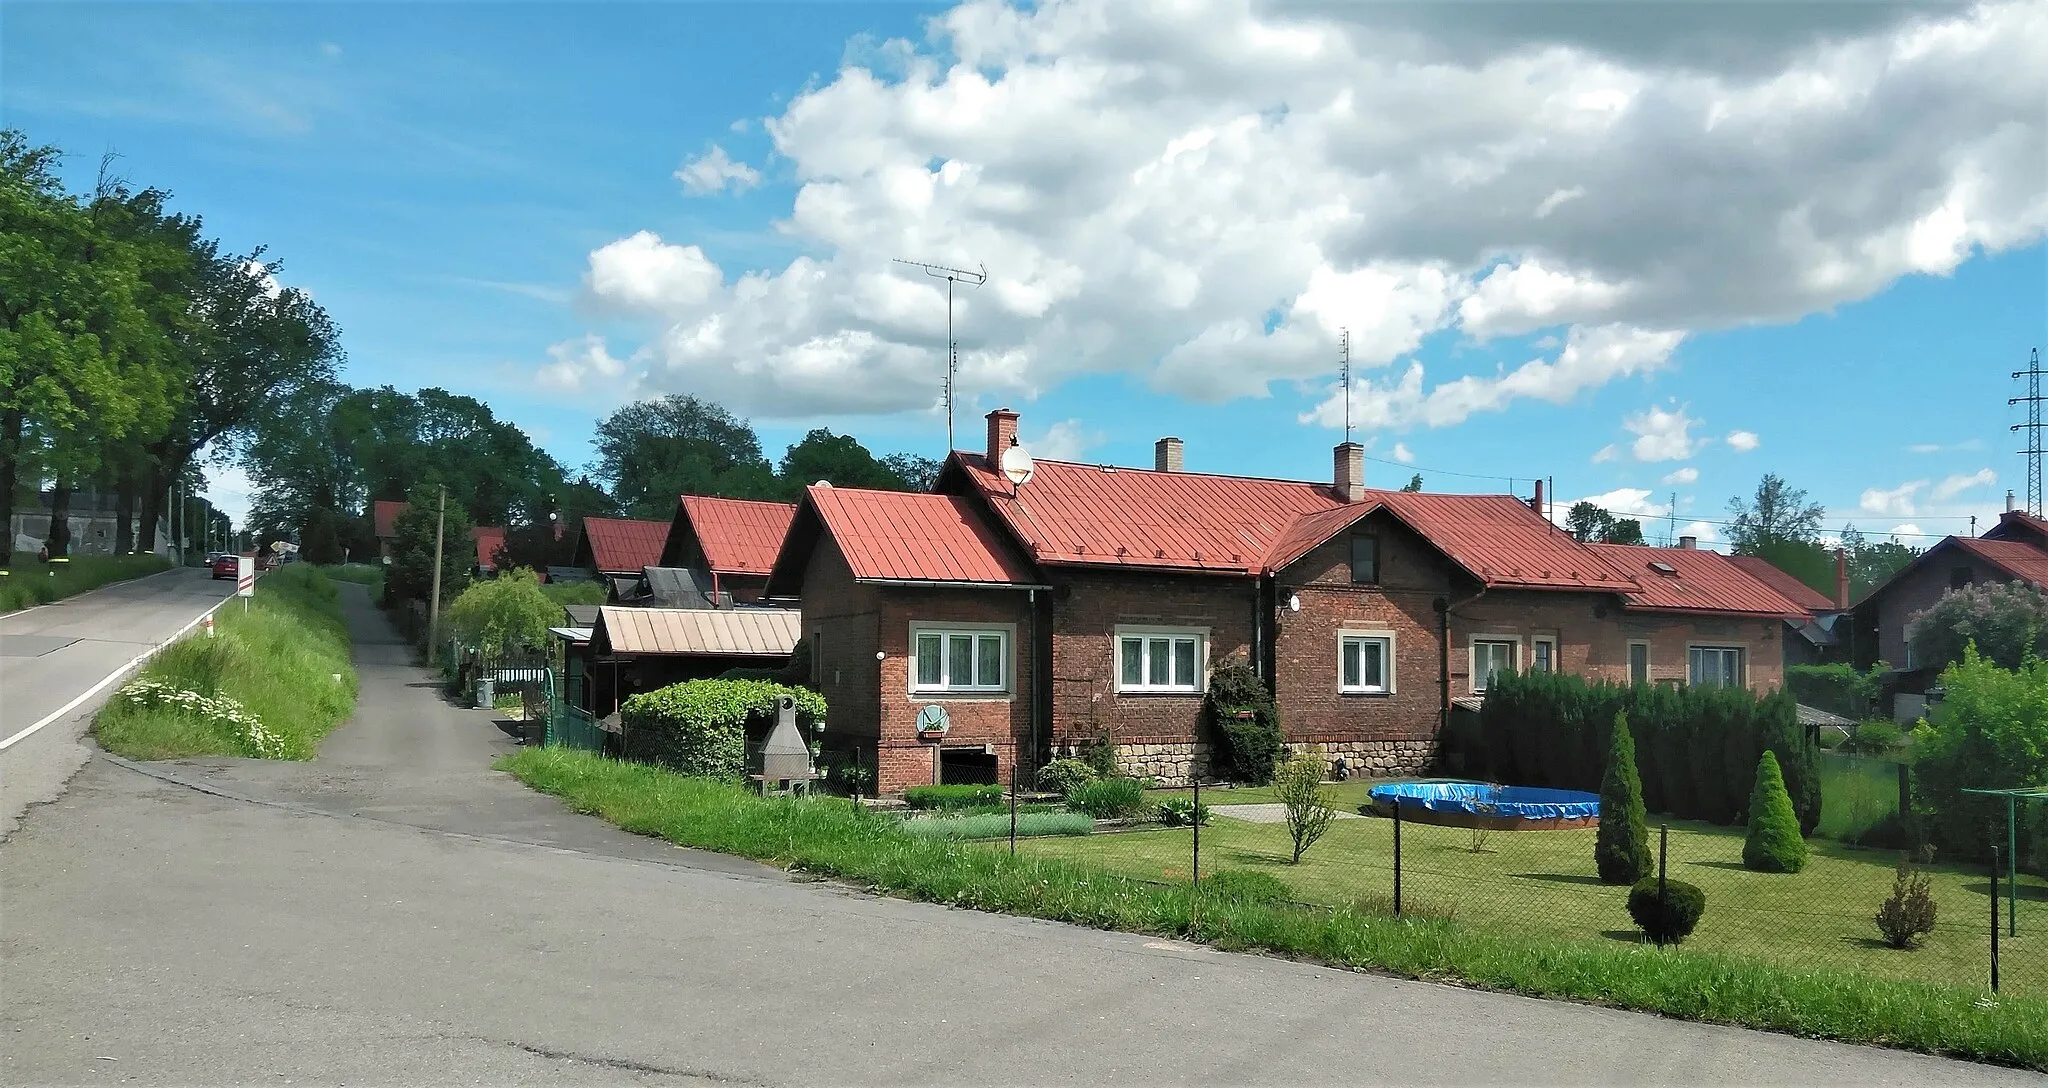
(1171, 763)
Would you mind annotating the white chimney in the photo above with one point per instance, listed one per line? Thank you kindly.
(2011, 503)
(1349, 477)
(1689, 543)
(1166, 455)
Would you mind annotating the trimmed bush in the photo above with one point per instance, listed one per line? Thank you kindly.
(1183, 812)
(1907, 917)
(699, 727)
(1875, 738)
(1246, 886)
(1062, 775)
(1244, 724)
(997, 825)
(1773, 845)
(953, 796)
(1671, 917)
(1621, 847)
(1108, 798)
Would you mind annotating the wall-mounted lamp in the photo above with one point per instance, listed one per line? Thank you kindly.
(1294, 602)
(880, 656)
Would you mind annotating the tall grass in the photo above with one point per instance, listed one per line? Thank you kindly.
(29, 581)
(835, 838)
(994, 825)
(285, 659)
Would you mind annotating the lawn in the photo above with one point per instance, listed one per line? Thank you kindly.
(1543, 884)
(1857, 792)
(27, 581)
(1345, 796)
(282, 661)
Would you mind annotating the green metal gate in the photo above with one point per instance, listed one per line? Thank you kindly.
(569, 725)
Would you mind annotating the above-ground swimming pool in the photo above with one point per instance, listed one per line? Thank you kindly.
(1481, 804)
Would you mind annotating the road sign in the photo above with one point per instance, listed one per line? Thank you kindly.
(245, 576)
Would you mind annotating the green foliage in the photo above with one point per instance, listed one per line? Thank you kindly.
(1907, 916)
(1871, 562)
(1061, 776)
(1183, 812)
(1414, 484)
(1246, 886)
(1669, 915)
(1298, 784)
(1108, 798)
(1621, 849)
(1099, 753)
(28, 582)
(1990, 731)
(320, 540)
(1877, 737)
(1244, 724)
(952, 796)
(368, 575)
(698, 727)
(410, 576)
(2006, 621)
(502, 615)
(1777, 514)
(1773, 844)
(277, 660)
(1593, 523)
(1837, 688)
(568, 593)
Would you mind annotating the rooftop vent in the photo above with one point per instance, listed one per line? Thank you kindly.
(1663, 568)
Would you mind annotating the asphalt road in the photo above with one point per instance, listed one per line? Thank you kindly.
(52, 653)
(384, 916)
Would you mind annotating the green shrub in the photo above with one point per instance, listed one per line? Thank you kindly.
(1298, 785)
(1875, 738)
(24, 581)
(1671, 917)
(1062, 775)
(1907, 916)
(952, 796)
(1183, 812)
(1245, 749)
(1837, 689)
(1099, 755)
(1990, 731)
(1246, 886)
(699, 727)
(1108, 798)
(996, 825)
(1773, 845)
(1621, 847)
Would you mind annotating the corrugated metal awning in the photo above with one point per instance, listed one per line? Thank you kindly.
(747, 632)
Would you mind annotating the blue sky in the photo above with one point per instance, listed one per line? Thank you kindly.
(454, 183)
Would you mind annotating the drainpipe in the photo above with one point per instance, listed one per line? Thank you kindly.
(1444, 607)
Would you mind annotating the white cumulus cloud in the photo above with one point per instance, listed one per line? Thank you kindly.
(1686, 475)
(574, 362)
(1065, 440)
(1897, 501)
(714, 171)
(1661, 434)
(1955, 485)
(644, 273)
(1402, 454)
(1742, 441)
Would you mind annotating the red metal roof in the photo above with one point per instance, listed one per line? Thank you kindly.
(1505, 543)
(1696, 581)
(2021, 560)
(489, 538)
(384, 516)
(914, 537)
(1794, 590)
(739, 536)
(622, 545)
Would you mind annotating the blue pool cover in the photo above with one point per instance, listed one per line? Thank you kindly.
(1485, 799)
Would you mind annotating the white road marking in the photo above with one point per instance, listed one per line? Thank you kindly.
(111, 677)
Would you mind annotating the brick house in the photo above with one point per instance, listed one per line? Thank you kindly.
(732, 540)
(1369, 612)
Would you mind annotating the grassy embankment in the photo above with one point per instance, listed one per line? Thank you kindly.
(275, 678)
(830, 837)
(30, 581)
(368, 575)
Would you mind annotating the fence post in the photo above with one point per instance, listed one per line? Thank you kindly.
(1013, 805)
(1994, 913)
(1397, 857)
(1663, 850)
(1195, 775)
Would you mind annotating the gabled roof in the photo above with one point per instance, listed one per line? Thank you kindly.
(1504, 543)
(2023, 561)
(621, 545)
(1794, 590)
(1694, 580)
(2018, 525)
(489, 538)
(753, 632)
(384, 515)
(896, 536)
(737, 536)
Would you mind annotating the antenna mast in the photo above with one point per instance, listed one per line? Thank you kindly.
(1344, 356)
(975, 277)
(2033, 428)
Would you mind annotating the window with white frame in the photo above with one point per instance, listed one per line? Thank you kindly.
(1638, 662)
(960, 660)
(1365, 662)
(1489, 657)
(1542, 655)
(1160, 660)
(1717, 666)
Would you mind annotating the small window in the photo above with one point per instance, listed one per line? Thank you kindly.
(1365, 664)
(1365, 560)
(1490, 657)
(1166, 661)
(1542, 654)
(961, 661)
(1958, 577)
(1716, 666)
(1638, 662)
(817, 656)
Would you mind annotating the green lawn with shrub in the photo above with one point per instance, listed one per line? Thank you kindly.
(29, 581)
(275, 678)
(1063, 880)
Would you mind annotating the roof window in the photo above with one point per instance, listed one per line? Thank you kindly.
(1663, 568)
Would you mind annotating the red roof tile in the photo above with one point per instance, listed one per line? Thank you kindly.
(1697, 581)
(489, 538)
(2021, 560)
(621, 545)
(1794, 590)
(915, 537)
(739, 536)
(384, 516)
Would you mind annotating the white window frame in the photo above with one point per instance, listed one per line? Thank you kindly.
(1630, 664)
(1472, 658)
(1200, 683)
(1386, 640)
(1740, 649)
(1543, 640)
(1005, 632)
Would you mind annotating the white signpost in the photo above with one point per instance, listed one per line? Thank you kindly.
(245, 579)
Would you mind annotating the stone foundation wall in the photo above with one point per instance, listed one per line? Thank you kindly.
(1171, 764)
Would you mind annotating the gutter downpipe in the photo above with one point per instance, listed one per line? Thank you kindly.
(1443, 640)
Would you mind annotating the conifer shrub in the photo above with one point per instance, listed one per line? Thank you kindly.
(1907, 916)
(1621, 847)
(1667, 916)
(1773, 845)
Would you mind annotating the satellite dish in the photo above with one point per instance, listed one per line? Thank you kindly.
(1017, 465)
(822, 483)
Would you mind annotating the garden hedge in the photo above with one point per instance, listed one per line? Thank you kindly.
(1670, 917)
(699, 727)
(1244, 724)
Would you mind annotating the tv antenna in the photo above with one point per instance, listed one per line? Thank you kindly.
(2033, 428)
(1344, 371)
(975, 277)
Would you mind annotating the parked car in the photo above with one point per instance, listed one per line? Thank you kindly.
(226, 566)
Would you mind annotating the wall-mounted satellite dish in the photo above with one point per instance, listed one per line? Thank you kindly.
(1017, 465)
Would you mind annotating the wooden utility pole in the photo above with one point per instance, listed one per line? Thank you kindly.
(434, 605)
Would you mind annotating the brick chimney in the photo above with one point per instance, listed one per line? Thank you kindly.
(1349, 478)
(1166, 455)
(1536, 503)
(1841, 579)
(1002, 434)
(1689, 542)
